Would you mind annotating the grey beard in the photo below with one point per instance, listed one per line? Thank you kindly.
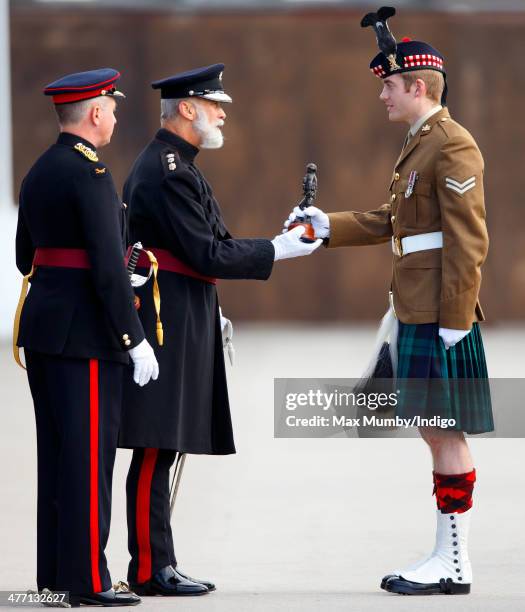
(211, 136)
(213, 139)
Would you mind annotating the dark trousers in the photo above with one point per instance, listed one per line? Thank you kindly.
(77, 409)
(150, 541)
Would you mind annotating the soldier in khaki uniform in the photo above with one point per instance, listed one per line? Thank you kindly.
(435, 218)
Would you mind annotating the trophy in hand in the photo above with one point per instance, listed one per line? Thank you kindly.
(309, 193)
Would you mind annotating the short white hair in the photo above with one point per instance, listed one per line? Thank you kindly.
(169, 108)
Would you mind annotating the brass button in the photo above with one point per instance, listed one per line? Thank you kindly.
(393, 218)
(127, 342)
(393, 197)
(125, 337)
(396, 176)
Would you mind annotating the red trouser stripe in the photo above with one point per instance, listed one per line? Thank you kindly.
(143, 510)
(93, 474)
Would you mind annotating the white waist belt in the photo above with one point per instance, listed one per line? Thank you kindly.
(421, 242)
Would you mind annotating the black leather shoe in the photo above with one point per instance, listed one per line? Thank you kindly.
(169, 582)
(119, 597)
(399, 585)
(386, 578)
(209, 585)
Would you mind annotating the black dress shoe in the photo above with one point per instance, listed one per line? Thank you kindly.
(209, 585)
(169, 582)
(386, 578)
(398, 584)
(111, 598)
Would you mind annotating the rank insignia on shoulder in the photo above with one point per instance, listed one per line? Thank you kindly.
(169, 160)
(86, 152)
(100, 170)
(426, 128)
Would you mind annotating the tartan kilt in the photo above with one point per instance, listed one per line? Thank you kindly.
(452, 384)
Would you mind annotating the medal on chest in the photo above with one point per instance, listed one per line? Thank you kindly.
(411, 184)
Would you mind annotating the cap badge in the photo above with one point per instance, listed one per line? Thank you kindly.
(393, 64)
(86, 152)
(426, 128)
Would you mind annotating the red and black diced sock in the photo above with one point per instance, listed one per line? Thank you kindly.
(454, 491)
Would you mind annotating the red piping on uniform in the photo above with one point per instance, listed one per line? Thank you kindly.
(93, 475)
(143, 509)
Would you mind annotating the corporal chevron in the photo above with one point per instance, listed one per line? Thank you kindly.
(458, 187)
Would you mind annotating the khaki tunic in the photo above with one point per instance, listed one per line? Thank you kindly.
(436, 285)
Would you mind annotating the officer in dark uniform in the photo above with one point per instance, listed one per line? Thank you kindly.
(77, 326)
(172, 211)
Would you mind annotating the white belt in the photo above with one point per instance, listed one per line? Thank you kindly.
(421, 242)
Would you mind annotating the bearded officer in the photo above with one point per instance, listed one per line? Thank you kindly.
(173, 212)
(78, 327)
(435, 218)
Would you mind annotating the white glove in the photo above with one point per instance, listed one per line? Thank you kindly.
(145, 362)
(451, 337)
(320, 220)
(226, 328)
(227, 335)
(137, 280)
(289, 244)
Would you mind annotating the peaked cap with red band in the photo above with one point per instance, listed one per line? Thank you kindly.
(84, 85)
(406, 56)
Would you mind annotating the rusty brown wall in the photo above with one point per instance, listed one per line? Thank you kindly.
(302, 92)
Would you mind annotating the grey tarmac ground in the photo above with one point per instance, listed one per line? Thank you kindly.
(302, 524)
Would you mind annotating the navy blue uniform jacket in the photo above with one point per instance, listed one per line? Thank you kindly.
(171, 206)
(69, 201)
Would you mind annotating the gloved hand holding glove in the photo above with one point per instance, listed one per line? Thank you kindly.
(145, 362)
(289, 245)
(320, 220)
(451, 337)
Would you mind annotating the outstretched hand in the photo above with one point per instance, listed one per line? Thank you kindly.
(289, 244)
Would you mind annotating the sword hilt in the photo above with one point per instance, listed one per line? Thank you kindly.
(134, 258)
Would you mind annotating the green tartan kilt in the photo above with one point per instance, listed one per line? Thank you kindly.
(451, 384)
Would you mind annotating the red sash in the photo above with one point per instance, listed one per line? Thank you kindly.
(170, 263)
(62, 258)
(78, 258)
